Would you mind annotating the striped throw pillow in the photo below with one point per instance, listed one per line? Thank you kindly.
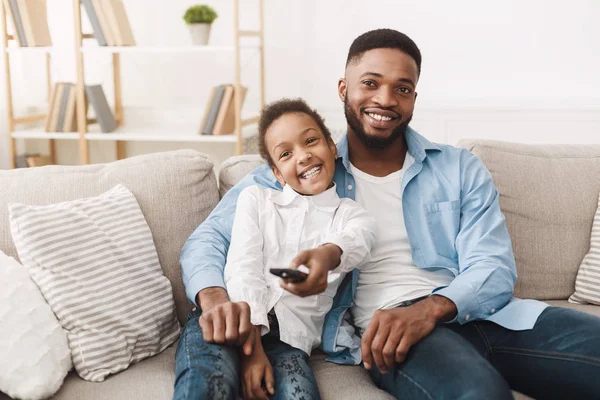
(587, 284)
(95, 262)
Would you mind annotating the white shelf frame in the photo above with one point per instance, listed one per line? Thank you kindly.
(122, 134)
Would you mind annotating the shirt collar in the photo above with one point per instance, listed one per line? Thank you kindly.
(417, 146)
(327, 201)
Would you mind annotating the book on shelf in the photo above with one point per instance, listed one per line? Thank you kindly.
(104, 115)
(31, 160)
(109, 22)
(219, 114)
(62, 111)
(30, 22)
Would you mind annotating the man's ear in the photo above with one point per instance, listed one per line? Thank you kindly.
(342, 89)
(278, 175)
(416, 94)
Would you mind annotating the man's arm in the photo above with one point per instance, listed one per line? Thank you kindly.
(487, 270)
(204, 254)
(203, 260)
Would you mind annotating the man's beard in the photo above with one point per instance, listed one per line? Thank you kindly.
(372, 141)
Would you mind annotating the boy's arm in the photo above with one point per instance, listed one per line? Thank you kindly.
(244, 271)
(343, 249)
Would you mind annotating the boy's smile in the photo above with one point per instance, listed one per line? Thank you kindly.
(303, 157)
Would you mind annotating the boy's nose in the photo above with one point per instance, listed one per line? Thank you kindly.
(305, 157)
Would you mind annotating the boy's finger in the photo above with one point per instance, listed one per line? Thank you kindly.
(270, 380)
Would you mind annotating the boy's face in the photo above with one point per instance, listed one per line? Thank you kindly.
(303, 158)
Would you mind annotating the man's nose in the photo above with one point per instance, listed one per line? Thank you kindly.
(385, 97)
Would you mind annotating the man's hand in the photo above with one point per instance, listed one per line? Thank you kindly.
(391, 333)
(319, 261)
(225, 322)
(258, 380)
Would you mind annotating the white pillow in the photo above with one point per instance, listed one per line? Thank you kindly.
(95, 262)
(587, 283)
(34, 353)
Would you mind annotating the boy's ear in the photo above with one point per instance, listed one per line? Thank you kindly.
(332, 147)
(278, 175)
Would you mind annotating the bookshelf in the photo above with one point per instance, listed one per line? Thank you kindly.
(88, 129)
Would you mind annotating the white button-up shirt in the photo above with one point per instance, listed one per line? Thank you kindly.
(270, 228)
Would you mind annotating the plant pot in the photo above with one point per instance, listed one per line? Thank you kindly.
(200, 33)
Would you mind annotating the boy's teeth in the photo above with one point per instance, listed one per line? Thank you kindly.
(379, 117)
(311, 172)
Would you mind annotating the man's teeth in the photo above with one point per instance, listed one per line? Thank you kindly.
(311, 172)
(379, 117)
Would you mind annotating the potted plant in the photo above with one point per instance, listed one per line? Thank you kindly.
(199, 18)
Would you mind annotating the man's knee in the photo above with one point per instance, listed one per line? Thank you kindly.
(204, 370)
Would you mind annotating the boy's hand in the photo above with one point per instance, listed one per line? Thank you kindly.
(258, 381)
(319, 261)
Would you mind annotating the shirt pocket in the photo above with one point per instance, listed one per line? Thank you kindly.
(443, 224)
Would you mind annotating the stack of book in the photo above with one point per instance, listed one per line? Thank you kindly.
(219, 116)
(32, 160)
(62, 116)
(30, 22)
(109, 22)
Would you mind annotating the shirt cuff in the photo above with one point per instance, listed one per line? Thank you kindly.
(202, 280)
(464, 298)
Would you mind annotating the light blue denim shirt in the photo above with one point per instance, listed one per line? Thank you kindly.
(454, 226)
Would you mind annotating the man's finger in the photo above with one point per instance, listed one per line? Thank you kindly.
(389, 349)
(231, 327)
(207, 328)
(248, 345)
(402, 349)
(270, 380)
(367, 339)
(377, 346)
(218, 321)
(247, 380)
(245, 326)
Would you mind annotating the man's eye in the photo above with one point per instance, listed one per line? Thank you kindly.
(285, 154)
(405, 90)
(369, 83)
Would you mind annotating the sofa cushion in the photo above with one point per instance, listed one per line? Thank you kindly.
(587, 283)
(235, 168)
(548, 194)
(175, 190)
(95, 262)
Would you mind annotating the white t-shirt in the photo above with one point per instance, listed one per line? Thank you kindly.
(270, 228)
(390, 277)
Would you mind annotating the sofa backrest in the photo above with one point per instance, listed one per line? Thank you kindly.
(548, 194)
(175, 190)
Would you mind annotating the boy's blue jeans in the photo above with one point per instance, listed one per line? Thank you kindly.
(559, 358)
(210, 371)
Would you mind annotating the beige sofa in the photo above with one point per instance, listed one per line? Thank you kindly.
(549, 195)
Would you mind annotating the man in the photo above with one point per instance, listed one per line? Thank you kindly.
(435, 305)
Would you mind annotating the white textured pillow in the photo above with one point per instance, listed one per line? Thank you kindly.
(34, 353)
(95, 262)
(587, 283)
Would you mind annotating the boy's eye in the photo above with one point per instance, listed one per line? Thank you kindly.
(285, 154)
(311, 140)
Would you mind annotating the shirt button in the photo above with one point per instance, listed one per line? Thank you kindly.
(349, 187)
(467, 317)
(493, 310)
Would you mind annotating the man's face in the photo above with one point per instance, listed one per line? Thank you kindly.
(379, 96)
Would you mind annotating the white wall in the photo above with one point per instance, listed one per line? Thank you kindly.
(511, 70)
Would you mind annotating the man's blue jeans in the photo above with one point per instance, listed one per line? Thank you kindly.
(558, 359)
(209, 371)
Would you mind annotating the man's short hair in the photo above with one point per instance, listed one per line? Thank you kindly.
(279, 108)
(383, 39)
